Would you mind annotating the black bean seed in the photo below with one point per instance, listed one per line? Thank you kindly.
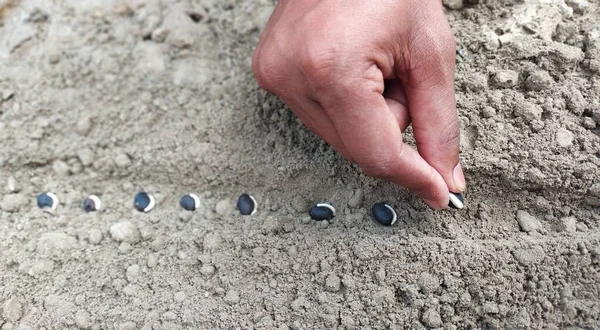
(189, 202)
(322, 212)
(143, 202)
(92, 203)
(47, 200)
(384, 214)
(246, 204)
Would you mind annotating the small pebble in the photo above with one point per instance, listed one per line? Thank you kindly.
(207, 270)
(323, 224)
(564, 138)
(567, 224)
(488, 112)
(83, 126)
(129, 325)
(322, 211)
(122, 161)
(13, 310)
(431, 318)
(61, 168)
(456, 201)
(538, 81)
(47, 200)
(333, 283)
(453, 4)
(579, 6)
(224, 208)
(125, 248)
(144, 202)
(86, 156)
(384, 214)
(83, 319)
(152, 261)
(169, 315)
(125, 231)
(588, 122)
(13, 202)
(232, 297)
(92, 203)
(527, 222)
(505, 79)
(95, 236)
(132, 273)
(185, 216)
(12, 186)
(246, 204)
(189, 202)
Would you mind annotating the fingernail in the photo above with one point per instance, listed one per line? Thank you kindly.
(459, 178)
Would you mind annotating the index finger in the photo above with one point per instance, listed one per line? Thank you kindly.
(429, 83)
(371, 133)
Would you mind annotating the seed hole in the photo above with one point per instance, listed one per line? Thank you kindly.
(195, 17)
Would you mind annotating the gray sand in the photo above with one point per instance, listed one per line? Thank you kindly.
(112, 98)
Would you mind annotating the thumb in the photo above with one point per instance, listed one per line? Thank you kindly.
(371, 134)
(429, 84)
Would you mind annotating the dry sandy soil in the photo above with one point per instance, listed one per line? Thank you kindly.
(113, 97)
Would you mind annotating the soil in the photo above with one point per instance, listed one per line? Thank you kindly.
(115, 97)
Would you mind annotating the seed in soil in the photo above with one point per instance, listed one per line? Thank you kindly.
(246, 204)
(144, 202)
(47, 200)
(322, 211)
(384, 214)
(189, 202)
(456, 201)
(92, 203)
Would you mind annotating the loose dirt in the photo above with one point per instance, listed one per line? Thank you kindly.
(115, 97)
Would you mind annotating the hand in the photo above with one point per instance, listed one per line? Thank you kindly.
(358, 72)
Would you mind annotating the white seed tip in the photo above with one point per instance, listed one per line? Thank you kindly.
(456, 202)
(255, 204)
(97, 201)
(151, 205)
(196, 200)
(327, 206)
(54, 200)
(393, 212)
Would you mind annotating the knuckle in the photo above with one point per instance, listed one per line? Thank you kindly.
(437, 41)
(267, 69)
(320, 62)
(332, 71)
(435, 51)
(451, 135)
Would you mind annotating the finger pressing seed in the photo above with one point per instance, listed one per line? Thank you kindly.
(92, 203)
(189, 202)
(144, 202)
(246, 204)
(384, 214)
(47, 201)
(322, 211)
(456, 201)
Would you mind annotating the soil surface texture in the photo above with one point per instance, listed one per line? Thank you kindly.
(113, 97)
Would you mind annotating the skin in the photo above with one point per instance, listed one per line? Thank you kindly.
(358, 72)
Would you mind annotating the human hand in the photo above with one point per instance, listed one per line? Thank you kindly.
(358, 72)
